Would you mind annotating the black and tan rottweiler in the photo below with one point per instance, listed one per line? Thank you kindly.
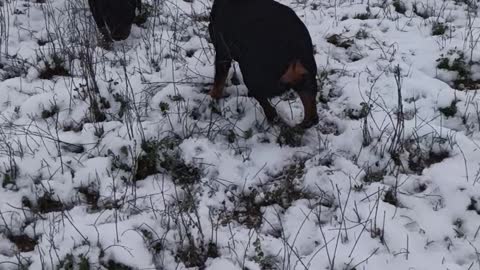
(273, 48)
(114, 18)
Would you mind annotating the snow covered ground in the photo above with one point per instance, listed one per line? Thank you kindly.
(119, 160)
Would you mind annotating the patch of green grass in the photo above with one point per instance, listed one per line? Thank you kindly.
(265, 261)
(455, 61)
(164, 156)
(7, 180)
(83, 264)
(67, 263)
(291, 136)
(147, 161)
(449, 111)
(280, 189)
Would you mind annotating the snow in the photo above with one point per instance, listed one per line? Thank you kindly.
(223, 193)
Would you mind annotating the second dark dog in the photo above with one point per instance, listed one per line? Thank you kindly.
(273, 48)
(114, 18)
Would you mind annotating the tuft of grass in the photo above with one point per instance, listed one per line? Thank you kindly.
(439, 29)
(421, 157)
(449, 111)
(189, 53)
(46, 204)
(372, 176)
(464, 80)
(284, 187)
(291, 136)
(113, 265)
(247, 211)
(281, 189)
(474, 206)
(156, 245)
(10, 177)
(443, 63)
(391, 198)
(12, 67)
(147, 162)
(399, 6)
(83, 264)
(52, 111)
(423, 13)
(266, 262)
(355, 114)
(67, 263)
(231, 136)
(8, 181)
(124, 105)
(23, 242)
(164, 157)
(56, 66)
(340, 41)
(362, 16)
(196, 256)
(73, 148)
(164, 107)
(362, 34)
(90, 195)
(72, 126)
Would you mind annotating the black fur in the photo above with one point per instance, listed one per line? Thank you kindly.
(264, 37)
(114, 18)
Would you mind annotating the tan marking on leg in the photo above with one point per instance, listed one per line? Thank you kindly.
(294, 73)
(217, 90)
(221, 74)
(310, 109)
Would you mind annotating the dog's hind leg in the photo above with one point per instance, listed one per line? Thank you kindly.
(97, 9)
(220, 77)
(305, 84)
(223, 61)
